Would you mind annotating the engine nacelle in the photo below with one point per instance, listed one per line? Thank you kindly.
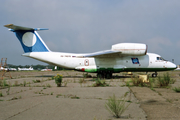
(130, 48)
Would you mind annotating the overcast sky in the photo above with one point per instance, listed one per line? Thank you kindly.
(85, 26)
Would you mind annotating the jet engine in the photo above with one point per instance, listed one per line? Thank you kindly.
(130, 48)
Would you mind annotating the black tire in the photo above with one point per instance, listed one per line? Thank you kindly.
(109, 75)
(154, 75)
(100, 75)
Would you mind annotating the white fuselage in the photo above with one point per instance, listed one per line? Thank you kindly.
(146, 62)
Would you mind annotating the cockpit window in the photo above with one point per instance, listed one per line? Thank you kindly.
(160, 58)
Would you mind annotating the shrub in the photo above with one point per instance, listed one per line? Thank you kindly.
(1, 83)
(176, 89)
(1, 95)
(172, 81)
(4, 83)
(164, 81)
(65, 83)
(58, 80)
(87, 76)
(81, 80)
(24, 83)
(151, 82)
(36, 81)
(100, 83)
(8, 90)
(48, 85)
(116, 107)
(127, 83)
(75, 97)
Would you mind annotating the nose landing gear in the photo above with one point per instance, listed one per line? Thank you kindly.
(154, 74)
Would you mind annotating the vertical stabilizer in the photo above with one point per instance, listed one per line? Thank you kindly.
(29, 38)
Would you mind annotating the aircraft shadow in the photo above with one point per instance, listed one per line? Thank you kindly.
(113, 77)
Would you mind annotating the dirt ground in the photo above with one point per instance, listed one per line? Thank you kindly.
(34, 95)
(160, 103)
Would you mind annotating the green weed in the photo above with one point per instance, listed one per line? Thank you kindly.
(65, 83)
(168, 100)
(81, 80)
(100, 83)
(4, 83)
(115, 106)
(151, 82)
(75, 97)
(36, 81)
(14, 98)
(24, 83)
(176, 89)
(16, 83)
(58, 95)
(87, 76)
(1, 95)
(172, 81)
(127, 83)
(1, 83)
(48, 85)
(164, 81)
(58, 80)
(8, 91)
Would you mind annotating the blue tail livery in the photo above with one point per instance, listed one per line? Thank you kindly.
(29, 38)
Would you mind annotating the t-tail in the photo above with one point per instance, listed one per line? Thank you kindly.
(29, 38)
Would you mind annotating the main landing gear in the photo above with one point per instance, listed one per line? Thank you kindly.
(107, 75)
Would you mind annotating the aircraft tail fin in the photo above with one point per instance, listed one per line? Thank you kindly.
(29, 38)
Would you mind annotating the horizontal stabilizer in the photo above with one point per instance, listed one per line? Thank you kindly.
(15, 28)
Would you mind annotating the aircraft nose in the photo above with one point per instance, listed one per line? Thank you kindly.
(171, 65)
(174, 66)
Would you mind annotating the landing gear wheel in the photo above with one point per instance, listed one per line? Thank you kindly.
(103, 75)
(108, 75)
(100, 75)
(154, 75)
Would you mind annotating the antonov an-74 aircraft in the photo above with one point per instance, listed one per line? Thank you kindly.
(121, 57)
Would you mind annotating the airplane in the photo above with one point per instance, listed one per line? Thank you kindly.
(7, 69)
(122, 57)
(25, 69)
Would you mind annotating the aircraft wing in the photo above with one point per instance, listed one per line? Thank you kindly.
(105, 53)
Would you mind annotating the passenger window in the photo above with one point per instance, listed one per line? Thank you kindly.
(160, 58)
